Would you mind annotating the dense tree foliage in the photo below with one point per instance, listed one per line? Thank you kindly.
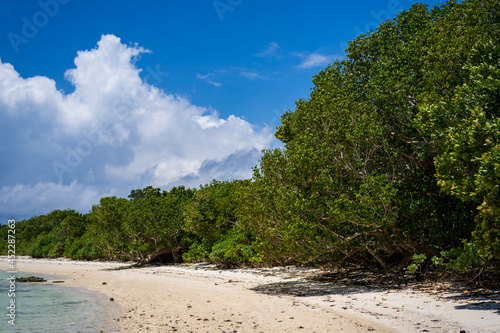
(143, 228)
(465, 132)
(212, 212)
(357, 178)
(212, 218)
(59, 233)
(394, 157)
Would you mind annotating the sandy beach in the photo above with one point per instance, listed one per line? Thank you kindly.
(202, 298)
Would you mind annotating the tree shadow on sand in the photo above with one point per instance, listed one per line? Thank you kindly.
(487, 305)
(338, 283)
(131, 265)
(483, 300)
(349, 283)
(305, 288)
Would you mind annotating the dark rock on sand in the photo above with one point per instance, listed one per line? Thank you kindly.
(31, 279)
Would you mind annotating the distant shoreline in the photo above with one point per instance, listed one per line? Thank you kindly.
(202, 298)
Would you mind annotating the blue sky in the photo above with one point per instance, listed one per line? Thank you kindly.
(101, 97)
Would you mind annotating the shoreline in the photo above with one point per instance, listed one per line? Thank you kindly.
(201, 298)
(38, 305)
(62, 281)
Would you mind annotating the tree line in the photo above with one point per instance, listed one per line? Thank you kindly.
(392, 162)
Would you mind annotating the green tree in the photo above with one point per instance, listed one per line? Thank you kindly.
(109, 220)
(355, 180)
(154, 225)
(144, 228)
(212, 217)
(466, 135)
(211, 213)
(142, 193)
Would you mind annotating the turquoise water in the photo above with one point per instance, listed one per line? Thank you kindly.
(47, 307)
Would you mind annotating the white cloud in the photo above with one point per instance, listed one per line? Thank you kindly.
(114, 133)
(210, 77)
(270, 51)
(316, 60)
(251, 75)
(25, 200)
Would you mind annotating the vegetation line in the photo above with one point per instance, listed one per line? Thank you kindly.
(393, 162)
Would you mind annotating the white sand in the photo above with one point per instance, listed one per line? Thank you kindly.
(200, 298)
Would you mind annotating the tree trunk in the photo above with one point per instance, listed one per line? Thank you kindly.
(177, 254)
(148, 258)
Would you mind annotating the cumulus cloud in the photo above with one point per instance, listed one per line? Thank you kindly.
(25, 200)
(316, 60)
(233, 166)
(114, 133)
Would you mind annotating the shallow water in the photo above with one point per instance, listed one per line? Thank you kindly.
(47, 307)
